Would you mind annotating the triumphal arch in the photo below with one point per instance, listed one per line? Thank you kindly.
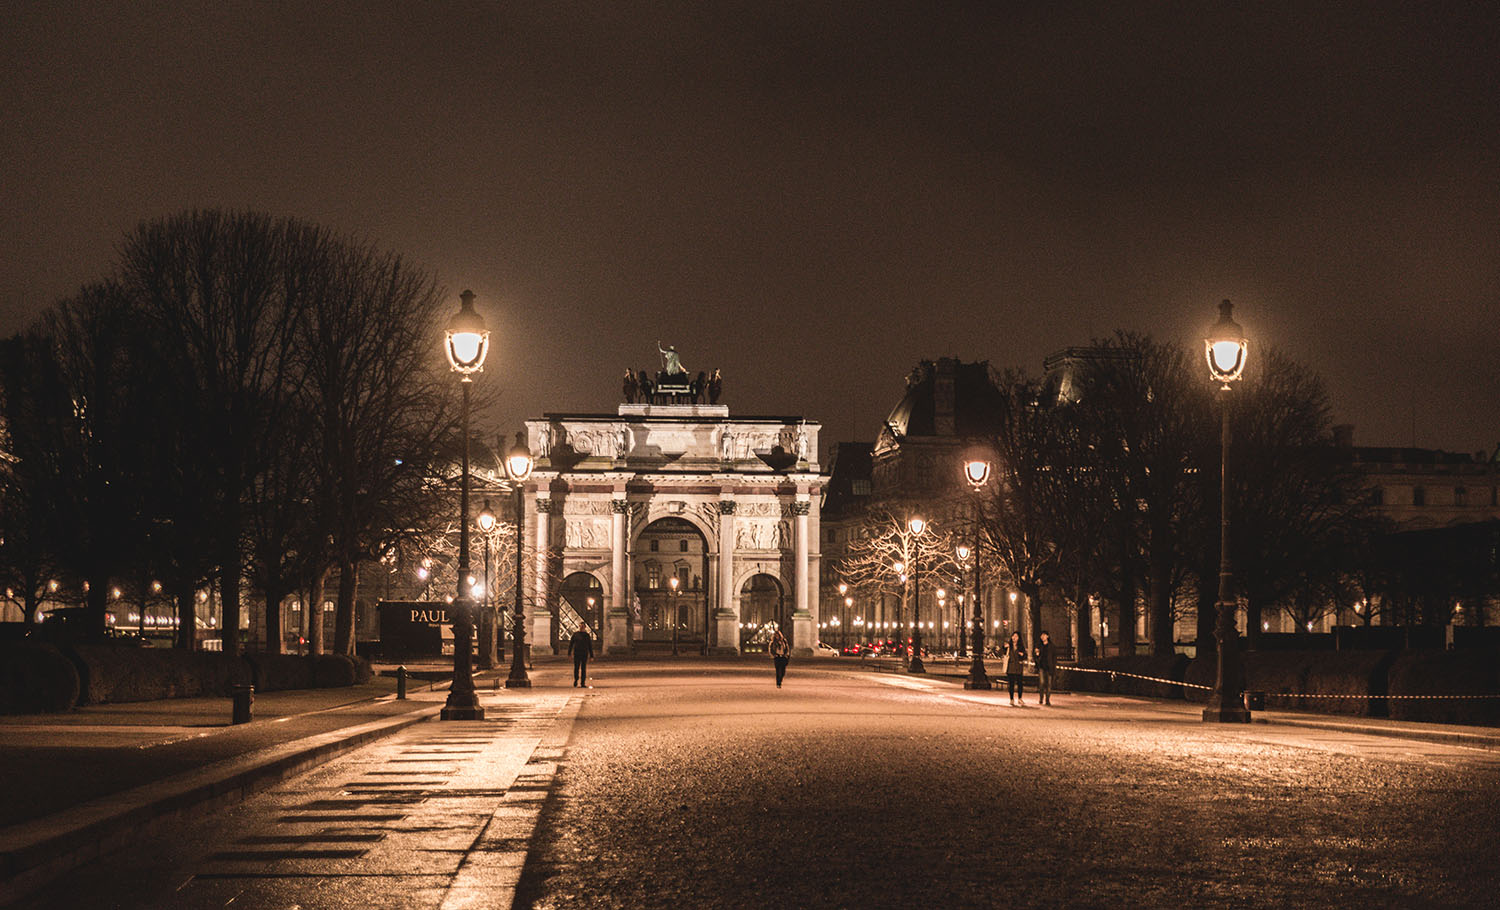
(674, 528)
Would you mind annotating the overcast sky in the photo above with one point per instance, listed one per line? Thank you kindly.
(813, 196)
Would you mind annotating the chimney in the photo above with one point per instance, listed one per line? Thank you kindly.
(945, 380)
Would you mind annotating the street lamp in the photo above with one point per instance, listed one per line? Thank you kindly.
(977, 473)
(467, 344)
(672, 583)
(518, 464)
(916, 525)
(1226, 348)
(488, 657)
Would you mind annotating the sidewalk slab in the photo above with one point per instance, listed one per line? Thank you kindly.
(37, 850)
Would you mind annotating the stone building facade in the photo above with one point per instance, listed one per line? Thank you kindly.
(622, 505)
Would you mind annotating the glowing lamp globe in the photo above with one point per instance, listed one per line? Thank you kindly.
(518, 461)
(468, 341)
(1226, 347)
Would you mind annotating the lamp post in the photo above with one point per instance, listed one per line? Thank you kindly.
(977, 472)
(488, 658)
(518, 464)
(916, 525)
(848, 619)
(467, 343)
(672, 583)
(1226, 348)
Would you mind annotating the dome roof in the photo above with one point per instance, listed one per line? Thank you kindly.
(947, 397)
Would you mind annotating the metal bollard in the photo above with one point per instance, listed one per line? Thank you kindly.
(244, 697)
(401, 681)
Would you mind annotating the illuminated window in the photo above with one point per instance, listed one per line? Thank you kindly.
(653, 574)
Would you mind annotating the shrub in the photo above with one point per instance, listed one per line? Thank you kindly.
(1467, 672)
(1170, 666)
(279, 672)
(121, 673)
(36, 678)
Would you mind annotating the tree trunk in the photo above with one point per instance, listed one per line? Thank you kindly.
(187, 618)
(1252, 624)
(1083, 624)
(314, 608)
(229, 600)
(96, 601)
(343, 626)
(1208, 616)
(1162, 633)
(32, 604)
(274, 596)
(1126, 631)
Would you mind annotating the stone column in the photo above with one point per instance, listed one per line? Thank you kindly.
(616, 633)
(804, 629)
(726, 620)
(541, 612)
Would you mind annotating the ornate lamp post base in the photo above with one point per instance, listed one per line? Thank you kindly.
(463, 712)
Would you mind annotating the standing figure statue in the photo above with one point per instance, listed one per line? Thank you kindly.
(674, 363)
(630, 386)
(646, 388)
(700, 388)
(715, 387)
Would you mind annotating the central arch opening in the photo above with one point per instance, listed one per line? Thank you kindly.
(762, 612)
(668, 549)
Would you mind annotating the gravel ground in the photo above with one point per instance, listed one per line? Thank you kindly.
(695, 789)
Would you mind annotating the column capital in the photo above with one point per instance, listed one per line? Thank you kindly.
(544, 505)
(619, 506)
(727, 506)
(801, 507)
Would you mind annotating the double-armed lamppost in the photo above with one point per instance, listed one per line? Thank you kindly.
(1226, 348)
(977, 472)
(916, 525)
(488, 657)
(518, 464)
(467, 343)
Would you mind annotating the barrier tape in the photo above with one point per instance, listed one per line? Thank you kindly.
(1113, 674)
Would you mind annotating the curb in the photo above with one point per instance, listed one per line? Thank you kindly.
(1488, 742)
(30, 858)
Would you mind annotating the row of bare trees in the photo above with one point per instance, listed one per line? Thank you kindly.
(1110, 490)
(246, 401)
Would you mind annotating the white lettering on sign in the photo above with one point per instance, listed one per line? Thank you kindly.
(429, 616)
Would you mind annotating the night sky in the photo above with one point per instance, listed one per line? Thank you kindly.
(813, 196)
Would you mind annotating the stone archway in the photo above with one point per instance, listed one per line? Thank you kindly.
(666, 549)
(763, 608)
(584, 594)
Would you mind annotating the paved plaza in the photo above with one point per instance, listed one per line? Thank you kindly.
(699, 784)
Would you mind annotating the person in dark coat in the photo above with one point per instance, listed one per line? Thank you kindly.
(781, 652)
(700, 387)
(630, 386)
(715, 387)
(1014, 660)
(1046, 665)
(646, 388)
(581, 646)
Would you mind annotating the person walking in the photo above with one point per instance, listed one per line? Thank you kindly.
(1014, 659)
(1046, 665)
(781, 652)
(581, 646)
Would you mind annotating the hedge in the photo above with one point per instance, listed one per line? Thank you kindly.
(1289, 677)
(36, 678)
(39, 677)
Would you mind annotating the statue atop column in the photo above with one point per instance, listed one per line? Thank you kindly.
(674, 362)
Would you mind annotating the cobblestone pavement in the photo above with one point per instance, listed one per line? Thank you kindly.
(691, 785)
(849, 790)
